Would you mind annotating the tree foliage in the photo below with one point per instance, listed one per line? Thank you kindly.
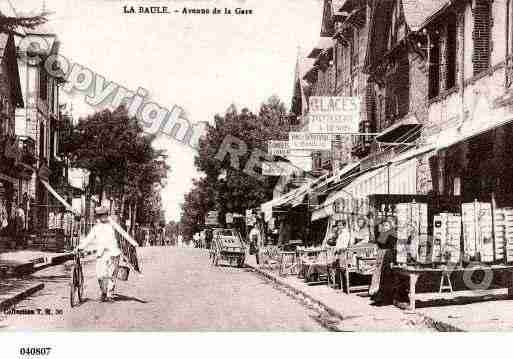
(120, 157)
(235, 190)
(10, 24)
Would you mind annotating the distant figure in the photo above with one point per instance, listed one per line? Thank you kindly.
(255, 240)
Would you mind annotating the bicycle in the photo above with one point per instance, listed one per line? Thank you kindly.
(77, 280)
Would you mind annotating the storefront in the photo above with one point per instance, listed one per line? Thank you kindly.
(9, 199)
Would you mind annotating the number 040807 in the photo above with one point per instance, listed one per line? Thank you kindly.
(35, 351)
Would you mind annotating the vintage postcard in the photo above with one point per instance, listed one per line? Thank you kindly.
(255, 166)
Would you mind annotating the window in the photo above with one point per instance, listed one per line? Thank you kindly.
(380, 113)
(481, 35)
(434, 67)
(450, 79)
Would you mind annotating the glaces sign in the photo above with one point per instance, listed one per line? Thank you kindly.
(333, 114)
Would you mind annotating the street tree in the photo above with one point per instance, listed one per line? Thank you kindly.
(235, 190)
(11, 24)
(120, 157)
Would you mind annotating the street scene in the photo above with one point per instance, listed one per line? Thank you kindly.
(333, 166)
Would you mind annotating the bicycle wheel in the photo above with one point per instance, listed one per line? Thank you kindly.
(80, 286)
(73, 287)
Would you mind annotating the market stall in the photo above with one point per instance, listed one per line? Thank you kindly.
(447, 247)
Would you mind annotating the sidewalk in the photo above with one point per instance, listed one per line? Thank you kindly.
(355, 310)
(14, 290)
(15, 263)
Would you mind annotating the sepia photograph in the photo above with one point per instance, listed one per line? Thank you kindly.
(243, 166)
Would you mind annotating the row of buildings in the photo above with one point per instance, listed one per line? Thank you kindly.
(34, 174)
(434, 81)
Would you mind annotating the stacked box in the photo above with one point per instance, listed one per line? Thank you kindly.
(477, 231)
(504, 234)
(411, 225)
(446, 236)
(453, 238)
(424, 249)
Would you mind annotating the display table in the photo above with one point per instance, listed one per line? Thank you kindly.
(313, 265)
(288, 263)
(358, 259)
(445, 289)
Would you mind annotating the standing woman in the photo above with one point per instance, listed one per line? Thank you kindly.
(362, 233)
(382, 284)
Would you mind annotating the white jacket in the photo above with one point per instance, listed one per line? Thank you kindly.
(103, 237)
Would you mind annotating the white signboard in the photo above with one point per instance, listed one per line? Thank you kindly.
(229, 218)
(211, 218)
(278, 148)
(278, 168)
(330, 114)
(301, 163)
(309, 141)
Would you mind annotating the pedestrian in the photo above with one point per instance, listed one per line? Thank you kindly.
(19, 226)
(362, 234)
(382, 283)
(343, 237)
(108, 253)
(255, 242)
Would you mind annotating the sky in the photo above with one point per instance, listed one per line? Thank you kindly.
(202, 63)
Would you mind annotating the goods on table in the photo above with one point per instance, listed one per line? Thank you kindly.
(446, 238)
(359, 257)
(504, 233)
(412, 228)
(477, 231)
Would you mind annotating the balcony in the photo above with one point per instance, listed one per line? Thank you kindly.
(27, 148)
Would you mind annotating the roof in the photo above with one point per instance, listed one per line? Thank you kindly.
(3, 43)
(8, 56)
(416, 12)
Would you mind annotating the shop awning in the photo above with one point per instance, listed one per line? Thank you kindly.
(408, 155)
(324, 43)
(452, 136)
(58, 196)
(402, 131)
(357, 186)
(267, 207)
(291, 199)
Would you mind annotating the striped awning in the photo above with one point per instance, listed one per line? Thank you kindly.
(58, 197)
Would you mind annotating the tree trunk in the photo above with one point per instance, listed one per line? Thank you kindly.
(122, 209)
(101, 191)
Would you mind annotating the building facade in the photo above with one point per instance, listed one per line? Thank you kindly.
(14, 161)
(38, 123)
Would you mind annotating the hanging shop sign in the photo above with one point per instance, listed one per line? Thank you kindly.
(211, 218)
(229, 218)
(12, 149)
(333, 114)
(277, 168)
(301, 163)
(309, 141)
(250, 218)
(278, 148)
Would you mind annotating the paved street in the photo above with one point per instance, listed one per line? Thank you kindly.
(179, 290)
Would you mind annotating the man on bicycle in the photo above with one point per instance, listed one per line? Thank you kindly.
(103, 237)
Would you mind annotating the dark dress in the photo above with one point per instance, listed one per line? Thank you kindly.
(382, 284)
